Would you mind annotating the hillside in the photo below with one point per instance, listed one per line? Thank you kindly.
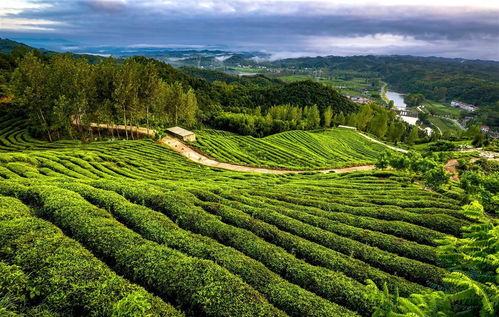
(441, 79)
(133, 220)
(291, 150)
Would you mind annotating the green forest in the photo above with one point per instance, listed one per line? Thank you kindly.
(439, 79)
(59, 90)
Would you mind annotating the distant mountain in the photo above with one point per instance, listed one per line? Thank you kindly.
(7, 46)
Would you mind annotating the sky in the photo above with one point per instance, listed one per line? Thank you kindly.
(282, 28)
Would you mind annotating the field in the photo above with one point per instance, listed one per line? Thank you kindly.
(442, 110)
(345, 82)
(444, 125)
(301, 150)
(122, 227)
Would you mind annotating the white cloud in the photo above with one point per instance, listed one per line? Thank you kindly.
(19, 24)
(17, 6)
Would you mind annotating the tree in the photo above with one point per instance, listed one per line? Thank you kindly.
(383, 160)
(379, 125)
(312, 117)
(148, 88)
(436, 177)
(190, 108)
(327, 117)
(413, 135)
(126, 90)
(363, 116)
(413, 100)
(32, 93)
(339, 119)
(395, 131)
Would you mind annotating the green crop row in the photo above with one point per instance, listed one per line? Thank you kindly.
(63, 276)
(157, 227)
(383, 241)
(292, 149)
(413, 270)
(439, 222)
(334, 286)
(392, 227)
(197, 285)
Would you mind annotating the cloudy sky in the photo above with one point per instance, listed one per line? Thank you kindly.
(449, 28)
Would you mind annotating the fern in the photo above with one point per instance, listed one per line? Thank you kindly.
(472, 285)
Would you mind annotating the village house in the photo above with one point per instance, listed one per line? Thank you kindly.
(464, 106)
(484, 128)
(357, 99)
(182, 134)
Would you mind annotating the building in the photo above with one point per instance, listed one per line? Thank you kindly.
(464, 106)
(182, 134)
(357, 99)
(484, 128)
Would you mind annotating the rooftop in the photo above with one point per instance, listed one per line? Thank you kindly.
(180, 131)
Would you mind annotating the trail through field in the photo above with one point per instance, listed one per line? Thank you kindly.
(187, 151)
(190, 153)
(451, 167)
(388, 146)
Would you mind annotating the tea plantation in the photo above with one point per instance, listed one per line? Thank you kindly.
(297, 149)
(131, 228)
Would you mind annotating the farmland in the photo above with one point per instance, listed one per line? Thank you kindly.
(303, 150)
(444, 125)
(132, 226)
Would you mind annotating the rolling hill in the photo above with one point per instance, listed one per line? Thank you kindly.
(296, 149)
(131, 226)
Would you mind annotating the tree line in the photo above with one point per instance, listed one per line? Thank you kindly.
(63, 90)
(61, 95)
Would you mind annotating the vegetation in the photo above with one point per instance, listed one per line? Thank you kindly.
(413, 100)
(439, 79)
(207, 241)
(131, 228)
(471, 287)
(292, 150)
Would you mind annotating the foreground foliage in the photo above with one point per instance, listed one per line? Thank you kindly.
(471, 288)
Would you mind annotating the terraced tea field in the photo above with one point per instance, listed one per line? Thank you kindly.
(133, 226)
(302, 150)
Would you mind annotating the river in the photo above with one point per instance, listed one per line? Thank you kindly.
(398, 102)
(398, 99)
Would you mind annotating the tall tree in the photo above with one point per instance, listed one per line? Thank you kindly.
(413, 135)
(126, 90)
(414, 100)
(327, 116)
(31, 91)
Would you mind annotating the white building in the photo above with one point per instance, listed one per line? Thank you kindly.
(357, 99)
(463, 105)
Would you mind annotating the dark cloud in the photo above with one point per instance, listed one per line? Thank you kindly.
(306, 30)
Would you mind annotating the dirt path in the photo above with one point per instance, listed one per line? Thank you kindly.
(388, 146)
(193, 155)
(451, 167)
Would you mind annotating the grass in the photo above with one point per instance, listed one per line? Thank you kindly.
(113, 226)
(301, 150)
(441, 109)
(445, 125)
